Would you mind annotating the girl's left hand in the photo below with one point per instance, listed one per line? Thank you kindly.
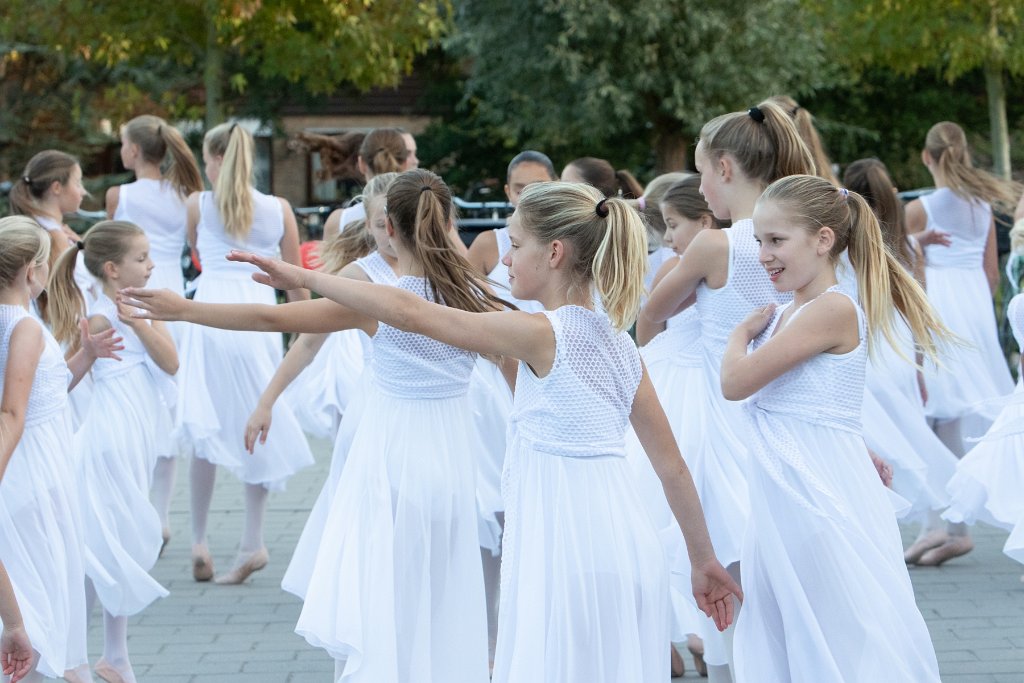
(757, 321)
(100, 345)
(714, 591)
(276, 273)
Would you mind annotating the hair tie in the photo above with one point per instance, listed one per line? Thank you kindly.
(232, 129)
(425, 188)
(28, 181)
(794, 111)
(80, 245)
(756, 114)
(601, 209)
(843, 191)
(159, 130)
(641, 203)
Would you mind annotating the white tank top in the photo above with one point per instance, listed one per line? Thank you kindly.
(157, 208)
(967, 222)
(264, 237)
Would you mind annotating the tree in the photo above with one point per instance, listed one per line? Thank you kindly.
(951, 36)
(581, 72)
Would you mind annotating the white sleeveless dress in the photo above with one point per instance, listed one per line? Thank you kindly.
(40, 530)
(296, 577)
(675, 363)
(584, 586)
(827, 594)
(959, 291)
(989, 480)
(397, 586)
(121, 529)
(223, 372)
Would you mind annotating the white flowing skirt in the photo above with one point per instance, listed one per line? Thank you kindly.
(321, 392)
(827, 593)
(41, 543)
(491, 399)
(121, 529)
(397, 586)
(584, 586)
(222, 375)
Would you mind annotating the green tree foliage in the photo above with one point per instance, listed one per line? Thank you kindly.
(579, 73)
(953, 37)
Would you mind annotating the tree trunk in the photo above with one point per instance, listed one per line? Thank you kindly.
(213, 70)
(670, 147)
(996, 88)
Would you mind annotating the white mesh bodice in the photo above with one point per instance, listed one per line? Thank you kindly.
(747, 287)
(213, 243)
(1015, 316)
(582, 406)
(134, 352)
(49, 393)
(499, 276)
(377, 269)
(413, 366)
(157, 208)
(826, 389)
(967, 223)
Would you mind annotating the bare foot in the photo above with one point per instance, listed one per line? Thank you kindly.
(678, 665)
(955, 546)
(696, 647)
(932, 539)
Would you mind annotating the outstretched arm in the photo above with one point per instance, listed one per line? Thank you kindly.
(712, 586)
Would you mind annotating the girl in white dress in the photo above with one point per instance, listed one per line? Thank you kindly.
(156, 202)
(396, 590)
(961, 281)
(122, 530)
(40, 531)
(584, 588)
(223, 373)
(828, 596)
(738, 155)
(988, 481)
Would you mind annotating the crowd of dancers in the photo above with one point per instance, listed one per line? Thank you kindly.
(519, 491)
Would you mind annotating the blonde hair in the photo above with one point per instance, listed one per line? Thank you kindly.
(882, 282)
(107, 241)
(765, 149)
(946, 144)
(1017, 238)
(419, 205)
(24, 243)
(609, 246)
(156, 139)
(651, 211)
(355, 240)
(233, 190)
(808, 132)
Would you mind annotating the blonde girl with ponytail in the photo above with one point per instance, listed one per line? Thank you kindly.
(166, 173)
(822, 528)
(962, 279)
(223, 373)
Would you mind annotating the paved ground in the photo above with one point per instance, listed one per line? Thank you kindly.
(202, 632)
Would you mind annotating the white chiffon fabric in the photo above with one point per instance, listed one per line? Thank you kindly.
(322, 391)
(223, 372)
(827, 593)
(115, 460)
(396, 590)
(40, 530)
(584, 586)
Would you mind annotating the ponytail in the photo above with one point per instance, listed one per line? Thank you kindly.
(155, 139)
(808, 132)
(107, 241)
(233, 190)
(946, 144)
(870, 179)
(41, 172)
(621, 255)
(419, 205)
(383, 150)
(763, 141)
(883, 284)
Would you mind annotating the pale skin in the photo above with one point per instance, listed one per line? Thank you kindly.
(59, 200)
(917, 222)
(539, 272)
(16, 658)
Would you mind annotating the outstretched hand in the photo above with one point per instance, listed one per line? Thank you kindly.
(257, 429)
(100, 345)
(15, 653)
(276, 273)
(714, 590)
(155, 304)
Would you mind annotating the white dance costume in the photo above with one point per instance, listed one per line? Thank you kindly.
(157, 208)
(959, 291)
(121, 529)
(40, 532)
(397, 587)
(827, 593)
(296, 578)
(223, 372)
(584, 585)
(990, 478)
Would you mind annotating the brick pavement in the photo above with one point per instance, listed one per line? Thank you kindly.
(974, 606)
